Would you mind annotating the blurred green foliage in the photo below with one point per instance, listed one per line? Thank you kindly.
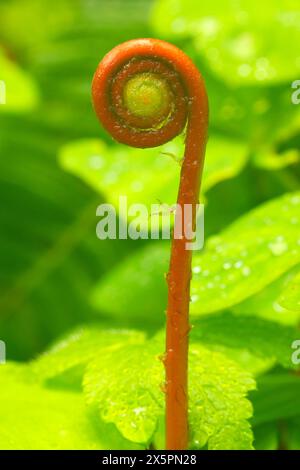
(57, 165)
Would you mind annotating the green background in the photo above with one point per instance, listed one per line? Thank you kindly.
(57, 165)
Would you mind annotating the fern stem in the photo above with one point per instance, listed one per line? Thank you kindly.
(144, 92)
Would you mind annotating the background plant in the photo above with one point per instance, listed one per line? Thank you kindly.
(56, 167)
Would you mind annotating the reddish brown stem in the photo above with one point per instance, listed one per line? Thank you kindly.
(186, 100)
(179, 287)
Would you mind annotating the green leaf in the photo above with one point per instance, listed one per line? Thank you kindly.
(218, 407)
(267, 303)
(250, 362)
(147, 176)
(49, 255)
(262, 338)
(136, 289)
(241, 262)
(34, 418)
(293, 434)
(239, 105)
(240, 43)
(277, 397)
(79, 348)
(225, 159)
(266, 437)
(20, 90)
(15, 13)
(127, 386)
(247, 256)
(262, 116)
(274, 161)
(290, 296)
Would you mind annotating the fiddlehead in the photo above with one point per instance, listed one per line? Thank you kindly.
(144, 93)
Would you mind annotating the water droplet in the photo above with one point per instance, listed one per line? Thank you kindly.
(110, 178)
(238, 264)
(209, 26)
(278, 247)
(244, 70)
(227, 266)
(246, 271)
(139, 410)
(196, 269)
(278, 308)
(96, 162)
(163, 358)
(295, 200)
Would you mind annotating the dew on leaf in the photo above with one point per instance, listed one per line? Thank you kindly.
(96, 162)
(246, 271)
(295, 200)
(278, 246)
(209, 26)
(227, 266)
(196, 269)
(110, 178)
(238, 264)
(194, 298)
(244, 70)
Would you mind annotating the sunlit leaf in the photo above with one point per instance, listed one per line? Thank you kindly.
(268, 302)
(247, 256)
(218, 407)
(290, 296)
(240, 42)
(35, 418)
(147, 176)
(274, 161)
(220, 34)
(80, 347)
(126, 385)
(262, 338)
(244, 259)
(19, 91)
